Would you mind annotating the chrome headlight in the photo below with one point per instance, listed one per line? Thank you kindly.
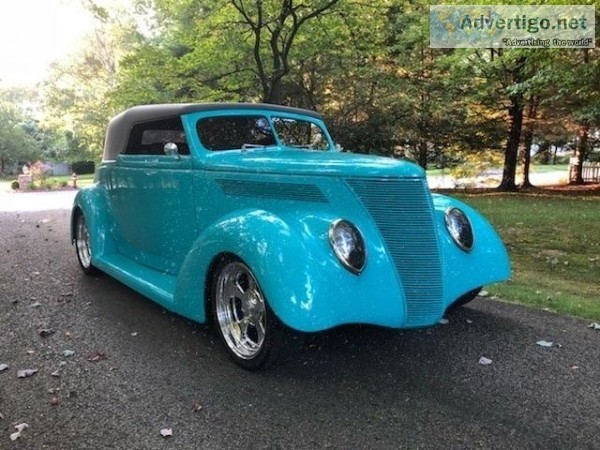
(348, 245)
(459, 228)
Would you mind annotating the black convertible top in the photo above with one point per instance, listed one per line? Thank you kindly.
(120, 126)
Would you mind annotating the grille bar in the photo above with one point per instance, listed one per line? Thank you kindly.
(402, 211)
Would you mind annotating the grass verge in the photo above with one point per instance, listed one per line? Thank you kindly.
(554, 245)
(82, 180)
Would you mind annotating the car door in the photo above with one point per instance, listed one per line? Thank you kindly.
(152, 196)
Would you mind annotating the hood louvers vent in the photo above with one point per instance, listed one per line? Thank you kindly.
(273, 190)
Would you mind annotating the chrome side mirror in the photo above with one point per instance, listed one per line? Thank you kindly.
(171, 149)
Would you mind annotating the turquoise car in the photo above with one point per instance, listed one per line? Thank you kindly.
(247, 215)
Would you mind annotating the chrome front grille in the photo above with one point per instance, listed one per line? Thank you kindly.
(402, 210)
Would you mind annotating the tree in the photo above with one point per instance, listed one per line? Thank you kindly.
(16, 144)
(77, 106)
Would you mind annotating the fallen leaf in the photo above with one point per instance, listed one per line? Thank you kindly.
(443, 321)
(20, 428)
(35, 305)
(484, 294)
(197, 407)
(574, 367)
(31, 352)
(26, 373)
(594, 326)
(15, 436)
(545, 343)
(485, 361)
(45, 332)
(166, 432)
(469, 321)
(68, 353)
(56, 373)
(3, 367)
(134, 334)
(95, 357)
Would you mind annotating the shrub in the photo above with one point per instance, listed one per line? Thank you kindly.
(14, 185)
(83, 167)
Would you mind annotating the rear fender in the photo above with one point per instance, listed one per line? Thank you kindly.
(92, 203)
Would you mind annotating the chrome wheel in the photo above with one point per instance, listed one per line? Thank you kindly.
(240, 311)
(82, 243)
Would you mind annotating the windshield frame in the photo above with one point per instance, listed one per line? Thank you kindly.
(191, 121)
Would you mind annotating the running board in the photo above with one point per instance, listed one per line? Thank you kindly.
(157, 286)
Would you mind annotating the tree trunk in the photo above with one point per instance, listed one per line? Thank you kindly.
(527, 141)
(580, 154)
(422, 154)
(2, 164)
(512, 146)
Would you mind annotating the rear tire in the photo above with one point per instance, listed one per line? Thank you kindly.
(246, 326)
(82, 245)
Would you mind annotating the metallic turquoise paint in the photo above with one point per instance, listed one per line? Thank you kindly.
(157, 224)
(486, 263)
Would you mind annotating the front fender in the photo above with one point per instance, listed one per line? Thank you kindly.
(487, 262)
(302, 280)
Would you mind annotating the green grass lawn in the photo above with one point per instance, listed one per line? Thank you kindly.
(535, 168)
(539, 168)
(554, 244)
(82, 180)
(53, 182)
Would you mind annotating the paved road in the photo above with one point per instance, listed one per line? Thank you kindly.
(356, 387)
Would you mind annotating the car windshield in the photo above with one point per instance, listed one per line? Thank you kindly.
(235, 132)
(300, 133)
(242, 132)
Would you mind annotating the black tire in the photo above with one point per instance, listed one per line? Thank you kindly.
(82, 245)
(466, 298)
(248, 329)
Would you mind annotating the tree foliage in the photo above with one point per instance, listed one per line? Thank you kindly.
(366, 66)
(17, 133)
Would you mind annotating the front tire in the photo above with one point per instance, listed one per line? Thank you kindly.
(82, 245)
(242, 317)
(466, 298)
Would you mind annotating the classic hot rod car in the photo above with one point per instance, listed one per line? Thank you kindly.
(248, 215)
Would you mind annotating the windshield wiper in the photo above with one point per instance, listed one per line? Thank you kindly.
(247, 146)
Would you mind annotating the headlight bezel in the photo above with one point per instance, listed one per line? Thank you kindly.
(453, 216)
(356, 267)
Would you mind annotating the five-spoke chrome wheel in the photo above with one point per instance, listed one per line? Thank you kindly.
(82, 244)
(250, 331)
(240, 311)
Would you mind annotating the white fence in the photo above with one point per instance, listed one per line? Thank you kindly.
(590, 172)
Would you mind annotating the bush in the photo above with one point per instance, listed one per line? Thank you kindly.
(83, 167)
(14, 185)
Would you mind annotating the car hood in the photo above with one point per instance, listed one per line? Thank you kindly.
(312, 163)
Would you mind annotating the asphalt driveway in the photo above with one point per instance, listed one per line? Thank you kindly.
(136, 369)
